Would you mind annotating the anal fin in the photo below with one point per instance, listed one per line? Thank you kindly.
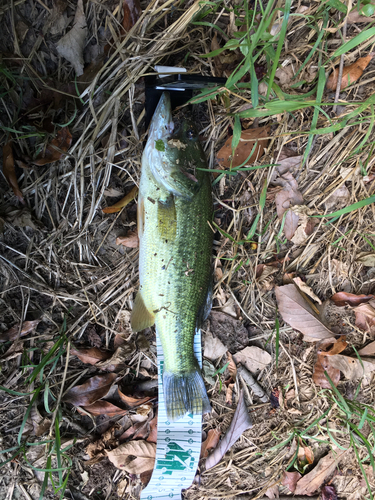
(141, 317)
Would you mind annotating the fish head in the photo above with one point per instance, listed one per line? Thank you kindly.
(173, 151)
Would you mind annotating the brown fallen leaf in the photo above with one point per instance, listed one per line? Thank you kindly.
(295, 311)
(240, 423)
(131, 401)
(9, 170)
(329, 492)
(253, 358)
(353, 368)
(131, 240)
(212, 440)
(232, 368)
(365, 316)
(289, 195)
(137, 431)
(305, 455)
(343, 298)
(229, 394)
(55, 150)
(105, 408)
(312, 481)
(272, 492)
(213, 347)
(93, 389)
(90, 356)
(118, 359)
(132, 12)
(95, 450)
(248, 139)
(367, 258)
(322, 363)
(290, 479)
(72, 44)
(134, 457)
(369, 350)
(306, 289)
(350, 73)
(12, 333)
(152, 437)
(338, 199)
(355, 16)
(123, 202)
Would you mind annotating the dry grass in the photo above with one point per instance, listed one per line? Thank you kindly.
(65, 263)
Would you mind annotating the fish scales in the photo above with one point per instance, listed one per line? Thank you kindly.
(174, 211)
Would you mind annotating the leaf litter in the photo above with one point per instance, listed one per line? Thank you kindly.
(95, 284)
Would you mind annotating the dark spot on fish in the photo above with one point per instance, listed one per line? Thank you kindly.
(151, 199)
(161, 294)
(169, 282)
(155, 254)
(163, 268)
(166, 241)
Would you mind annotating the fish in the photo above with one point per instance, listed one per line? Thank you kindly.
(174, 212)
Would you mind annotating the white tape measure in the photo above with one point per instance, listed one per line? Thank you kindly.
(178, 445)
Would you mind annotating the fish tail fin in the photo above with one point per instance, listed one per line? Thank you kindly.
(185, 393)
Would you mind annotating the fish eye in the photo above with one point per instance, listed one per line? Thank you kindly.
(190, 133)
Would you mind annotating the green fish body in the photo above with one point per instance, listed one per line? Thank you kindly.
(175, 245)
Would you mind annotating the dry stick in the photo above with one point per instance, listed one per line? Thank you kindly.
(253, 384)
(341, 68)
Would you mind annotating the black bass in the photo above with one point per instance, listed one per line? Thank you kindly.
(175, 245)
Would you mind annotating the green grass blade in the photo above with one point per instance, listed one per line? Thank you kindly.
(280, 44)
(354, 42)
(350, 208)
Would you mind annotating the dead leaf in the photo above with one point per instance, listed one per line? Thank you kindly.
(55, 150)
(352, 367)
(90, 356)
(253, 358)
(240, 423)
(131, 401)
(355, 16)
(248, 139)
(306, 289)
(118, 359)
(212, 440)
(312, 481)
(105, 408)
(367, 258)
(299, 315)
(329, 492)
(12, 333)
(95, 450)
(350, 73)
(152, 437)
(122, 203)
(93, 389)
(72, 44)
(134, 457)
(9, 170)
(132, 11)
(338, 199)
(290, 479)
(272, 492)
(284, 74)
(131, 240)
(146, 476)
(232, 368)
(213, 347)
(288, 197)
(322, 364)
(305, 455)
(365, 317)
(137, 431)
(343, 298)
(369, 350)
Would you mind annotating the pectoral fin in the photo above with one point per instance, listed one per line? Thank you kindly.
(141, 317)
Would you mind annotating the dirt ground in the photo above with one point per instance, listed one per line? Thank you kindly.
(72, 133)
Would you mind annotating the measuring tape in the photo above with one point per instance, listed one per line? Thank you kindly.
(178, 445)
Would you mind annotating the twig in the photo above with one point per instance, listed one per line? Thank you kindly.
(341, 68)
(253, 384)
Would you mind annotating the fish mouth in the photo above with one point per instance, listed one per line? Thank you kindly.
(162, 124)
